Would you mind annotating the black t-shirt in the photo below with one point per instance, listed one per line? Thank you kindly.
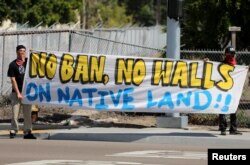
(18, 72)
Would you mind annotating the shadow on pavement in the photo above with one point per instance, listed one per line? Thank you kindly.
(122, 137)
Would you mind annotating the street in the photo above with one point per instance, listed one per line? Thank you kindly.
(117, 146)
(41, 152)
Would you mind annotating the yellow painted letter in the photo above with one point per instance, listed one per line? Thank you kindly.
(224, 70)
(160, 74)
(124, 71)
(97, 68)
(208, 83)
(38, 64)
(51, 66)
(180, 75)
(66, 68)
(82, 69)
(139, 72)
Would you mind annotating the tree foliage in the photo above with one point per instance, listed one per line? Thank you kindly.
(206, 23)
(145, 12)
(142, 11)
(105, 13)
(46, 12)
(3, 11)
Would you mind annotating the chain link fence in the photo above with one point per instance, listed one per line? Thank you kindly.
(152, 37)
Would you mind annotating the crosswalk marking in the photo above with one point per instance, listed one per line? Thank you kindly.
(163, 154)
(143, 154)
(77, 162)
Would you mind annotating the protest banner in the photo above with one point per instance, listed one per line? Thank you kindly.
(132, 84)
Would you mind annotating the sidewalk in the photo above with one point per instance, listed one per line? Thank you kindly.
(191, 135)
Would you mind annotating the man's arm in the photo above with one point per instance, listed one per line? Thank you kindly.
(15, 87)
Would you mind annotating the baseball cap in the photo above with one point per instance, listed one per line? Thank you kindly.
(230, 49)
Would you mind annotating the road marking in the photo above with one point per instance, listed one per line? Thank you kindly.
(77, 162)
(164, 154)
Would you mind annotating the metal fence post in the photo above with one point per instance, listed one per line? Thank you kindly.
(2, 79)
(70, 39)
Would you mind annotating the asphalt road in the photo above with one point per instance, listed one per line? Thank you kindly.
(44, 152)
(116, 146)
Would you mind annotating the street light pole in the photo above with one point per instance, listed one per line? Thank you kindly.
(173, 120)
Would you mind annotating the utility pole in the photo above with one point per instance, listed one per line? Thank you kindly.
(173, 120)
(83, 16)
(158, 12)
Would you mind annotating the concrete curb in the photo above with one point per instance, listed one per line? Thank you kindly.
(6, 126)
(137, 135)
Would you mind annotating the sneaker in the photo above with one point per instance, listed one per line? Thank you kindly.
(29, 136)
(235, 133)
(223, 133)
(12, 135)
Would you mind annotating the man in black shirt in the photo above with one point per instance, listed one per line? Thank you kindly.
(231, 60)
(16, 73)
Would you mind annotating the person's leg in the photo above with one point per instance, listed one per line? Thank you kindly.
(222, 124)
(15, 103)
(233, 125)
(27, 128)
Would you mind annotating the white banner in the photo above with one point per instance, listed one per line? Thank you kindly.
(134, 84)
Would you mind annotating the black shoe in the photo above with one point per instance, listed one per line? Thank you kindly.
(223, 133)
(235, 133)
(12, 135)
(29, 136)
